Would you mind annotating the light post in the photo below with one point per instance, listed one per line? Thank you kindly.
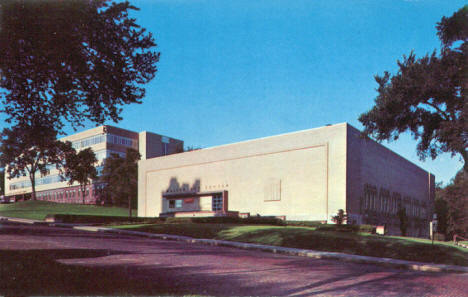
(433, 227)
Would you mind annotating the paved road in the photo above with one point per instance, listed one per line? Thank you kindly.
(54, 261)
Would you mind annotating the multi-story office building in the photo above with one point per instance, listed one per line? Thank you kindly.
(104, 141)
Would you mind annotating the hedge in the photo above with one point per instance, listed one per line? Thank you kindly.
(228, 220)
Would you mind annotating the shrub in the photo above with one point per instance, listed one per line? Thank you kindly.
(227, 220)
(367, 228)
(340, 217)
(92, 219)
(403, 220)
(304, 223)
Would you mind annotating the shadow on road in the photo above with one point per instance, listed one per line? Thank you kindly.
(138, 266)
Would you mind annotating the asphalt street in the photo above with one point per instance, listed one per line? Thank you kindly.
(39, 260)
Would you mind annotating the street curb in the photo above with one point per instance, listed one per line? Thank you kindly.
(388, 262)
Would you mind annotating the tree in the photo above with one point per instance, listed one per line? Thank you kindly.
(120, 176)
(455, 196)
(68, 61)
(2, 182)
(442, 211)
(340, 217)
(427, 96)
(29, 150)
(79, 167)
(403, 217)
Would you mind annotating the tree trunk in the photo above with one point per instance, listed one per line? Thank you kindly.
(83, 191)
(32, 177)
(464, 155)
(129, 206)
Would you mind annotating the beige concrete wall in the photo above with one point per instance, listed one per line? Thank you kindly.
(299, 175)
(370, 163)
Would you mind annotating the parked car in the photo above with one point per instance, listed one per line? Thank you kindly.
(4, 199)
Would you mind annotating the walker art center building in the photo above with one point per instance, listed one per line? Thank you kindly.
(104, 141)
(305, 175)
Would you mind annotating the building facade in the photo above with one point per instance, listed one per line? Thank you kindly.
(104, 141)
(305, 175)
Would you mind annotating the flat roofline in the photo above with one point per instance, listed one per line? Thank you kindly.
(145, 131)
(97, 127)
(267, 137)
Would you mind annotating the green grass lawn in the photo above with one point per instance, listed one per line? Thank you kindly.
(413, 249)
(38, 210)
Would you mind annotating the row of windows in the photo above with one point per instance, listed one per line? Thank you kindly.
(62, 195)
(89, 141)
(216, 202)
(39, 181)
(49, 179)
(384, 202)
(116, 139)
(109, 138)
(101, 155)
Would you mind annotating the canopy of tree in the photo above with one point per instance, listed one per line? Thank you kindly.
(121, 178)
(66, 61)
(79, 167)
(427, 96)
(30, 150)
(452, 206)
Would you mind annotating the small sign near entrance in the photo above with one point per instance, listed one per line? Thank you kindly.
(189, 200)
(380, 230)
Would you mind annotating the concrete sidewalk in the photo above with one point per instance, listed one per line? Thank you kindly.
(412, 265)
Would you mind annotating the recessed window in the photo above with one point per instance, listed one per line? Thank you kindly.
(217, 202)
(171, 203)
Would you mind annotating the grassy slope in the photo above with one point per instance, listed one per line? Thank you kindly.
(308, 238)
(39, 209)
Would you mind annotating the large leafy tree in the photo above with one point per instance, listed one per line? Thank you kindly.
(31, 150)
(79, 167)
(66, 61)
(427, 96)
(455, 197)
(121, 178)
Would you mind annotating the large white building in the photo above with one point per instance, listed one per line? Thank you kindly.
(104, 141)
(305, 175)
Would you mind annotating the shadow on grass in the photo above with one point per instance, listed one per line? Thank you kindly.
(306, 238)
(351, 243)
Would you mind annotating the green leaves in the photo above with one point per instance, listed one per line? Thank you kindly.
(67, 61)
(427, 96)
(121, 177)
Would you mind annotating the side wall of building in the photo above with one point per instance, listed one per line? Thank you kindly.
(152, 145)
(298, 175)
(380, 182)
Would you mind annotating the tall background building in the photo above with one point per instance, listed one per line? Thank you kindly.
(104, 141)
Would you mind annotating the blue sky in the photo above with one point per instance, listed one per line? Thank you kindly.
(238, 70)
